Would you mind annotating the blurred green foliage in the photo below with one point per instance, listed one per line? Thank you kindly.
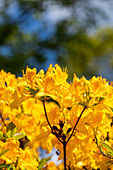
(86, 52)
(26, 38)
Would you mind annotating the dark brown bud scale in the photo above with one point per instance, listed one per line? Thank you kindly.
(61, 123)
(55, 128)
(69, 130)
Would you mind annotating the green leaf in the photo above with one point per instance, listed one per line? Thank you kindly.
(3, 152)
(109, 163)
(83, 104)
(1, 135)
(32, 91)
(4, 166)
(11, 130)
(95, 104)
(54, 101)
(101, 98)
(43, 162)
(109, 149)
(109, 153)
(8, 166)
(4, 138)
(18, 136)
(49, 99)
(11, 167)
(16, 163)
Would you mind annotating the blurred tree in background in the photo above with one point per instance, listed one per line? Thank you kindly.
(39, 32)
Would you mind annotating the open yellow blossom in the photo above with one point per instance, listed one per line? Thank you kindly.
(50, 111)
(26, 160)
(11, 155)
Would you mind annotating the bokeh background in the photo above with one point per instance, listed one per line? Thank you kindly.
(77, 34)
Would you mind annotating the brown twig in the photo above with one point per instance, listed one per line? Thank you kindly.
(76, 124)
(63, 141)
(49, 122)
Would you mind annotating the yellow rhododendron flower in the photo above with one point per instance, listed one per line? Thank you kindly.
(50, 111)
(27, 160)
(11, 155)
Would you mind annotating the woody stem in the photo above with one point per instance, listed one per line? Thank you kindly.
(64, 148)
(76, 124)
(49, 122)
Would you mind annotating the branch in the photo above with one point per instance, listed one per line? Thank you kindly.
(46, 114)
(49, 122)
(76, 124)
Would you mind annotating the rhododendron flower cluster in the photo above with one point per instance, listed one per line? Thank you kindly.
(45, 110)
